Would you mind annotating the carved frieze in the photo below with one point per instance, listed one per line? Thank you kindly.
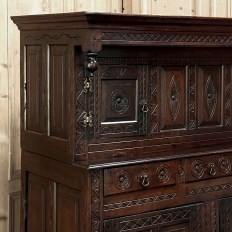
(193, 192)
(140, 201)
(166, 38)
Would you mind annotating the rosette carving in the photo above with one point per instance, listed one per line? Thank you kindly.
(122, 180)
(119, 101)
(224, 164)
(163, 173)
(198, 168)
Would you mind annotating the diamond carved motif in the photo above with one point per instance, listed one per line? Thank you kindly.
(211, 96)
(174, 99)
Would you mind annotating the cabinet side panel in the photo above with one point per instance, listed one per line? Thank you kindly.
(33, 86)
(68, 209)
(58, 91)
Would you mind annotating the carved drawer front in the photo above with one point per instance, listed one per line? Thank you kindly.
(181, 219)
(139, 177)
(205, 167)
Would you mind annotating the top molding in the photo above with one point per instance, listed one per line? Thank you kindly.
(88, 20)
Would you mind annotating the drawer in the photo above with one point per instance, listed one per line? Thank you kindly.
(138, 177)
(208, 167)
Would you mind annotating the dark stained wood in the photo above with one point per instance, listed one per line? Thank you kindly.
(126, 123)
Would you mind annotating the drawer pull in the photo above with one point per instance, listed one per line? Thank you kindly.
(145, 179)
(212, 170)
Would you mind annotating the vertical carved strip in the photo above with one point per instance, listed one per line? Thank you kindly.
(95, 201)
(210, 213)
(80, 108)
(192, 97)
(142, 79)
(227, 95)
(96, 100)
(225, 214)
(196, 218)
(154, 99)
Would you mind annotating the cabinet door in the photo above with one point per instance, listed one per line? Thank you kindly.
(51, 206)
(40, 215)
(180, 219)
(225, 211)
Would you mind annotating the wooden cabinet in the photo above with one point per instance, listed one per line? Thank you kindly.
(125, 123)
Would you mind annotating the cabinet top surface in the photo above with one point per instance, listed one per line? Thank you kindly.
(104, 20)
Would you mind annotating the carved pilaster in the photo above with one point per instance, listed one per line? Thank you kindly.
(95, 201)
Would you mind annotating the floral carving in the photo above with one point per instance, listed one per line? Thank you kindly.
(122, 180)
(174, 98)
(163, 173)
(198, 168)
(224, 164)
(119, 101)
(211, 97)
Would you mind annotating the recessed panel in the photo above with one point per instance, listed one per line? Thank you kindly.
(58, 91)
(33, 86)
(173, 97)
(209, 86)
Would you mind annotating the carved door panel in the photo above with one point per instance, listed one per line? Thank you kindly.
(173, 97)
(225, 212)
(123, 102)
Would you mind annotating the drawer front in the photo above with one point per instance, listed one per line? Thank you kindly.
(207, 167)
(138, 177)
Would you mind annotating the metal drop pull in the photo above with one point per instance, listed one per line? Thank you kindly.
(211, 167)
(144, 107)
(144, 179)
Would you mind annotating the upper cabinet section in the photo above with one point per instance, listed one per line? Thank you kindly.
(97, 85)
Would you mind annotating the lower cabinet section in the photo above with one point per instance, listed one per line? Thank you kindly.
(51, 206)
(68, 198)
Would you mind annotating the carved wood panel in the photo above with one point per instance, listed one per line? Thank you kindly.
(33, 101)
(225, 210)
(228, 95)
(95, 201)
(173, 97)
(209, 98)
(177, 219)
(119, 85)
(58, 94)
(211, 217)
